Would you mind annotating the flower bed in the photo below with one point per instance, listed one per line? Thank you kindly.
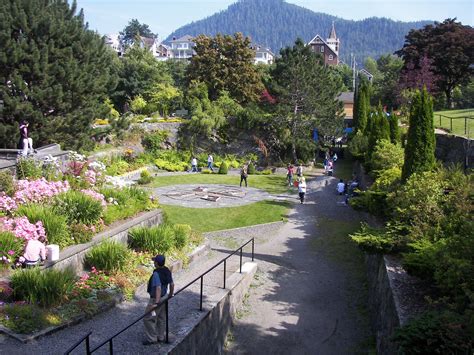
(30, 310)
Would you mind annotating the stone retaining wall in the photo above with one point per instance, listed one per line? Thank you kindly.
(208, 335)
(394, 298)
(455, 149)
(73, 256)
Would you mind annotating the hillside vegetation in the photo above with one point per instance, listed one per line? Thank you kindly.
(276, 24)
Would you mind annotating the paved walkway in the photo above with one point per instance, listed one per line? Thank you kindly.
(309, 295)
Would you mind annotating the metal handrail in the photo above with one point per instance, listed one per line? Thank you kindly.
(201, 277)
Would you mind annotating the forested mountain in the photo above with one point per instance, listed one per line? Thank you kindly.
(276, 24)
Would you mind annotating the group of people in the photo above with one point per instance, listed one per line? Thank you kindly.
(329, 160)
(347, 188)
(300, 181)
(210, 163)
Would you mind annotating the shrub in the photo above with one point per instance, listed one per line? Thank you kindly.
(251, 169)
(206, 171)
(158, 239)
(435, 333)
(358, 145)
(117, 167)
(28, 168)
(267, 172)
(372, 240)
(386, 155)
(182, 233)
(388, 180)
(145, 177)
(108, 256)
(152, 142)
(6, 183)
(79, 208)
(55, 224)
(10, 248)
(374, 202)
(43, 287)
(79, 234)
(223, 169)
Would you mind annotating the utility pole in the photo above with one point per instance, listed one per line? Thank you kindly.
(353, 65)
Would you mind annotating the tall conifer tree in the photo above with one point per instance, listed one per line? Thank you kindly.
(420, 147)
(55, 73)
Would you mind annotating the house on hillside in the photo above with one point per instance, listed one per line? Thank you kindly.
(328, 48)
(367, 74)
(263, 55)
(347, 99)
(113, 41)
(182, 48)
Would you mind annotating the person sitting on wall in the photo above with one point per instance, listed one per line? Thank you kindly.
(35, 253)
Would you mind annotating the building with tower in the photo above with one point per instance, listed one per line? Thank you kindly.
(328, 48)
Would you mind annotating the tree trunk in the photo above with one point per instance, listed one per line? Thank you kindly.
(449, 98)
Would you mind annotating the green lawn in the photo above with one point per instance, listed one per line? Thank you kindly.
(274, 184)
(212, 219)
(441, 120)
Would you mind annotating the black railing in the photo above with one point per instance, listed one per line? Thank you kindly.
(165, 301)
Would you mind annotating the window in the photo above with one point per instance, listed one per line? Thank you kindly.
(322, 49)
(331, 57)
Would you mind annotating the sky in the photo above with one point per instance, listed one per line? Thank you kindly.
(165, 16)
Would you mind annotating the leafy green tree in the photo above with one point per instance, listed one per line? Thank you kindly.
(306, 92)
(139, 72)
(420, 147)
(385, 84)
(225, 63)
(162, 97)
(450, 47)
(55, 73)
(138, 104)
(132, 33)
(378, 128)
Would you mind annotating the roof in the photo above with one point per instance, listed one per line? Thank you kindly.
(366, 73)
(185, 38)
(346, 97)
(324, 42)
(147, 41)
(259, 48)
(332, 35)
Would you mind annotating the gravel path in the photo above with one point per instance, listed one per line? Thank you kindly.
(308, 296)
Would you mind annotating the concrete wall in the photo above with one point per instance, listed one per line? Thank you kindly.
(455, 149)
(208, 335)
(73, 256)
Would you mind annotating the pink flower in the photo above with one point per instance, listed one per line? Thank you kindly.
(96, 196)
(11, 252)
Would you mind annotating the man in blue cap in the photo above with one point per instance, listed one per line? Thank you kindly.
(158, 289)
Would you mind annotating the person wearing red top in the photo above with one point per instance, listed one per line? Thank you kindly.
(290, 174)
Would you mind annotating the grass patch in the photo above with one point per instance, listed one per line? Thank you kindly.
(344, 167)
(441, 120)
(334, 242)
(213, 219)
(274, 184)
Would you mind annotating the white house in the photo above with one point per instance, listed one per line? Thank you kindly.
(112, 40)
(182, 48)
(263, 55)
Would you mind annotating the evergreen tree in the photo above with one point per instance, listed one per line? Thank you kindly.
(420, 147)
(55, 72)
(379, 128)
(306, 92)
(225, 63)
(362, 107)
(394, 128)
(132, 33)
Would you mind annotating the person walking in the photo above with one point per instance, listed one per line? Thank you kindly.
(341, 187)
(299, 171)
(289, 174)
(243, 174)
(154, 321)
(25, 141)
(302, 189)
(210, 161)
(194, 163)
